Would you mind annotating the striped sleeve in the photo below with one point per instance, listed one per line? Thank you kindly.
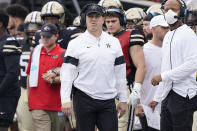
(69, 71)
(136, 38)
(11, 46)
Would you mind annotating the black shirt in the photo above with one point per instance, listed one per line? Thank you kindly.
(10, 51)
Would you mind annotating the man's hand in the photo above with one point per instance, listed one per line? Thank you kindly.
(152, 105)
(121, 108)
(156, 79)
(49, 77)
(67, 108)
(139, 111)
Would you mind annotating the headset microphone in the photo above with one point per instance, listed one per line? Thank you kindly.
(177, 17)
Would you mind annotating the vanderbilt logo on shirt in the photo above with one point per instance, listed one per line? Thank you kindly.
(108, 45)
(54, 56)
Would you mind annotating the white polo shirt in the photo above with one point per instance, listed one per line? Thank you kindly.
(95, 66)
(179, 63)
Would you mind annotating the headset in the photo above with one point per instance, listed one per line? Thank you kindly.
(183, 9)
(84, 11)
(123, 19)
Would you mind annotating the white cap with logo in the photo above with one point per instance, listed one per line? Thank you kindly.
(158, 20)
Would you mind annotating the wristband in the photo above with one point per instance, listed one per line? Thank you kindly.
(137, 86)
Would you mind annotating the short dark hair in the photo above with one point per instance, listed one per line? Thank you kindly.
(112, 14)
(150, 15)
(17, 10)
(4, 18)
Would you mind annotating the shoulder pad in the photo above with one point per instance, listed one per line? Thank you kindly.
(75, 35)
(11, 46)
(70, 28)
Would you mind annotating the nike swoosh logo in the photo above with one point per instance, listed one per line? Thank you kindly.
(59, 40)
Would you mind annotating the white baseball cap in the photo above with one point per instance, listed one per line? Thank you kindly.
(158, 20)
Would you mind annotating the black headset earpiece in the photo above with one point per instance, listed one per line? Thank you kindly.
(183, 9)
(83, 13)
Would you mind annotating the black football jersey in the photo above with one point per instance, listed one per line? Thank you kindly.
(10, 51)
(24, 59)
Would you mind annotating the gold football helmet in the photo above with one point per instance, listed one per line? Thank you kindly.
(154, 8)
(136, 15)
(110, 3)
(53, 9)
(33, 17)
(32, 24)
(76, 21)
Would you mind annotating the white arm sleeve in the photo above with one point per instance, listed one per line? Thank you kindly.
(68, 73)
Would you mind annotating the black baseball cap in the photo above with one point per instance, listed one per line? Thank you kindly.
(94, 8)
(49, 29)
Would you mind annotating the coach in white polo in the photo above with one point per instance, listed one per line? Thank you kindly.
(94, 65)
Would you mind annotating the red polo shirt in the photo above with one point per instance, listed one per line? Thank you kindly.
(46, 96)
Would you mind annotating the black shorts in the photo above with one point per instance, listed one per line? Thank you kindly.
(8, 105)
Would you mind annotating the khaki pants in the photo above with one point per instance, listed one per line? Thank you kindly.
(46, 120)
(24, 118)
(123, 121)
(194, 127)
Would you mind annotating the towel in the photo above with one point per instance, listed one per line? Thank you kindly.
(34, 69)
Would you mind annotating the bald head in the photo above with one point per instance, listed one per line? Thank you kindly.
(174, 5)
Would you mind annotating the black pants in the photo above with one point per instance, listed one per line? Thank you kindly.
(177, 112)
(144, 124)
(8, 105)
(90, 112)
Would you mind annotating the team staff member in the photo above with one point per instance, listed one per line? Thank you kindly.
(94, 65)
(131, 42)
(9, 71)
(177, 78)
(44, 93)
(153, 57)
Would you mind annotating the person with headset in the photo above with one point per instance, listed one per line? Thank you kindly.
(94, 69)
(177, 80)
(131, 42)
